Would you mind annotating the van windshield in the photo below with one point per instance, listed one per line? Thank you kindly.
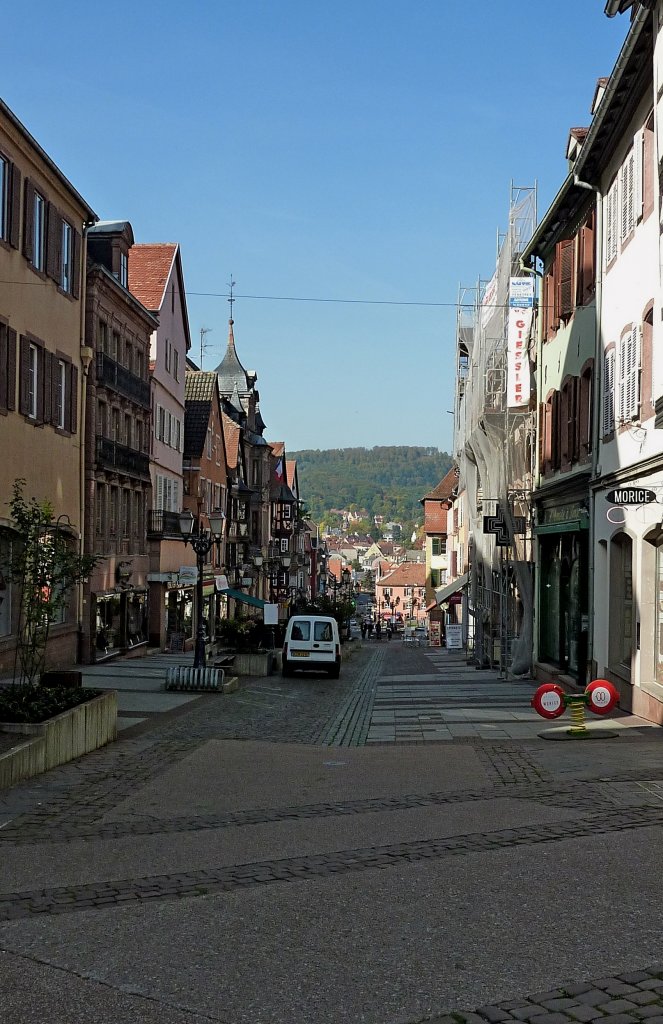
(322, 631)
(301, 631)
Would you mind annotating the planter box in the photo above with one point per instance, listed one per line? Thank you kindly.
(253, 663)
(58, 740)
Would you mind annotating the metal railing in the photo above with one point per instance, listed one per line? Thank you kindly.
(161, 523)
(113, 375)
(112, 455)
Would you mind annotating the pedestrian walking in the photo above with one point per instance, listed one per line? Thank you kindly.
(390, 630)
(378, 630)
(363, 630)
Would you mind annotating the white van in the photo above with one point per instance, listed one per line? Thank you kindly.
(312, 642)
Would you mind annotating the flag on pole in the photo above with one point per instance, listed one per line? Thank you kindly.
(279, 470)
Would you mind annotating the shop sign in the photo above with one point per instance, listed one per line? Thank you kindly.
(521, 301)
(564, 514)
(188, 575)
(436, 634)
(221, 583)
(631, 496)
(454, 634)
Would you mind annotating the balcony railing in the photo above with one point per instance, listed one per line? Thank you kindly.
(161, 523)
(117, 377)
(111, 455)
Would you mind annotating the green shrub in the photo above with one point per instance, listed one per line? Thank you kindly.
(26, 703)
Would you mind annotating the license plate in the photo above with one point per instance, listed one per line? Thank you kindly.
(300, 654)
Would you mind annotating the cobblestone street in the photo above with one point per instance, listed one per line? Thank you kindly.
(396, 846)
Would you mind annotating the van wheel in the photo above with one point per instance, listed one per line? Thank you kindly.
(335, 672)
(286, 670)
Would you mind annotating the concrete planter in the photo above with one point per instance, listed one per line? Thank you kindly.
(58, 740)
(253, 663)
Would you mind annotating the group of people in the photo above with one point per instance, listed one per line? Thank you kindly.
(368, 626)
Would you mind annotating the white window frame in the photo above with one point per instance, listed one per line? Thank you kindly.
(124, 269)
(629, 375)
(39, 233)
(612, 213)
(33, 380)
(285, 545)
(66, 267)
(60, 393)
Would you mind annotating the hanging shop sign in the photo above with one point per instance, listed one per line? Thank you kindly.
(631, 496)
(188, 575)
(521, 304)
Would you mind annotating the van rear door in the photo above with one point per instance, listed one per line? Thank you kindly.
(323, 640)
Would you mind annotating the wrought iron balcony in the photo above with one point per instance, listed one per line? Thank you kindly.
(161, 524)
(113, 375)
(111, 455)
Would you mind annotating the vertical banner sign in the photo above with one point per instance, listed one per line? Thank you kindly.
(521, 302)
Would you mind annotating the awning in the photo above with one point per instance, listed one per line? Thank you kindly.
(451, 588)
(239, 595)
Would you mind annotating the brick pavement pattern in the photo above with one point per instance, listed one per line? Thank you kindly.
(321, 771)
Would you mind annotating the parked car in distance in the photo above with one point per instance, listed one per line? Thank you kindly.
(312, 643)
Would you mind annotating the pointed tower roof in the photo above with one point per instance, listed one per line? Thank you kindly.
(236, 401)
(232, 375)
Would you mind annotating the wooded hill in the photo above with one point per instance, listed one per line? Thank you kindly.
(386, 481)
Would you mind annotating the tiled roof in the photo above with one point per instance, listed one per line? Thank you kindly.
(199, 394)
(278, 447)
(149, 269)
(408, 574)
(443, 491)
(231, 434)
(290, 469)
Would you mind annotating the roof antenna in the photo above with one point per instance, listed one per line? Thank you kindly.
(231, 299)
(203, 345)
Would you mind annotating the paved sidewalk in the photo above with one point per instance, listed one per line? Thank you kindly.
(251, 859)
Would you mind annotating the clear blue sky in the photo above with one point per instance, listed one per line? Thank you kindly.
(354, 149)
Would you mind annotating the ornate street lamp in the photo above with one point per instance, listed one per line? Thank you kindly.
(202, 542)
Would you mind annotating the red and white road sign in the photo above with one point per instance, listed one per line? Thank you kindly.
(548, 701)
(602, 696)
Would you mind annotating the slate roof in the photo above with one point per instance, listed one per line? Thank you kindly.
(198, 397)
(150, 264)
(230, 371)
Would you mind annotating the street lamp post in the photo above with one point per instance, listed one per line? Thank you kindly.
(202, 543)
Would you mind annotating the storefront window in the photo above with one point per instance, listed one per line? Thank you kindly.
(179, 614)
(136, 619)
(621, 601)
(659, 613)
(108, 624)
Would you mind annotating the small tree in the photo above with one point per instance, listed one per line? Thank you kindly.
(45, 567)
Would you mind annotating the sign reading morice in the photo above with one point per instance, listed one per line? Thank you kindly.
(631, 496)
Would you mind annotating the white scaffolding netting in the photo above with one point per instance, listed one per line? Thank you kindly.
(494, 448)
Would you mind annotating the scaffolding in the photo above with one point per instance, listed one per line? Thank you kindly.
(494, 448)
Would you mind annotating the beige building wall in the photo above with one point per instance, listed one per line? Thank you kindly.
(42, 308)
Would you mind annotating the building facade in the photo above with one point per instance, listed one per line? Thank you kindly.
(43, 360)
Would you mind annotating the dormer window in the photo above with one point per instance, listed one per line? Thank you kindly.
(124, 269)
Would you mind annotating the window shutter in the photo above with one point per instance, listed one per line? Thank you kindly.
(609, 391)
(71, 396)
(3, 366)
(49, 364)
(159, 494)
(11, 369)
(41, 376)
(626, 176)
(638, 164)
(28, 219)
(76, 263)
(15, 207)
(566, 259)
(608, 227)
(632, 373)
(53, 243)
(176, 496)
(55, 379)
